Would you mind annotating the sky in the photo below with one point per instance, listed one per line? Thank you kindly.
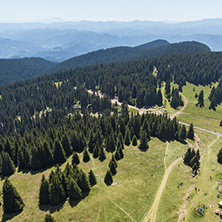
(111, 10)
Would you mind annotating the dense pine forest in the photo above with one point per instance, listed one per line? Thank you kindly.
(12, 70)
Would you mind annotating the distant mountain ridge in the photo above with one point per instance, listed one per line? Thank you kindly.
(117, 54)
(12, 70)
(60, 40)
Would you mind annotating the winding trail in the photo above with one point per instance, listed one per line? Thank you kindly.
(182, 109)
(153, 211)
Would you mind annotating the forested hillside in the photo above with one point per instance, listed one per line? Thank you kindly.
(156, 48)
(12, 70)
(22, 103)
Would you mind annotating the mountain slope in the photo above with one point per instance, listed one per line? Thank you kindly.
(12, 70)
(155, 48)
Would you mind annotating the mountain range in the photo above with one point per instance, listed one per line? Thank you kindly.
(60, 40)
(12, 70)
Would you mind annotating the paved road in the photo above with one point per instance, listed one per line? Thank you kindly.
(206, 130)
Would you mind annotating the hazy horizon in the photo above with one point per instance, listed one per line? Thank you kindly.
(13, 11)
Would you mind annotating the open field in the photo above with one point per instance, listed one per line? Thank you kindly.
(127, 201)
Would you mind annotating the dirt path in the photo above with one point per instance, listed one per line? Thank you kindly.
(153, 211)
(182, 109)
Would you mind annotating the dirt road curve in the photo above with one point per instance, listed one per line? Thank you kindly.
(152, 212)
(182, 109)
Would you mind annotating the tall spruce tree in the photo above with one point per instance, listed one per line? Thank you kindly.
(190, 133)
(86, 157)
(108, 178)
(66, 145)
(143, 142)
(8, 167)
(112, 168)
(201, 99)
(127, 138)
(83, 183)
(92, 178)
(134, 141)
(75, 159)
(75, 192)
(56, 191)
(44, 191)
(59, 153)
(12, 202)
(102, 155)
(182, 133)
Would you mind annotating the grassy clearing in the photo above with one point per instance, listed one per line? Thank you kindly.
(201, 117)
(127, 201)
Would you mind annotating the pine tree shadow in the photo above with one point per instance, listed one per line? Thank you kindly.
(6, 217)
(51, 208)
(74, 203)
(143, 149)
(183, 142)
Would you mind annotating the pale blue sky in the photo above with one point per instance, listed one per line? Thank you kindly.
(102, 10)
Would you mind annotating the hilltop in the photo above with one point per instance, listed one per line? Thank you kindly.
(117, 54)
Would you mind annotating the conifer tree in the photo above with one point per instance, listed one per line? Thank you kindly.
(75, 192)
(12, 202)
(8, 167)
(83, 183)
(66, 145)
(95, 152)
(59, 153)
(127, 138)
(110, 143)
(190, 133)
(112, 168)
(108, 178)
(86, 156)
(56, 191)
(182, 133)
(200, 99)
(120, 139)
(49, 218)
(9, 149)
(159, 98)
(114, 161)
(44, 191)
(75, 159)
(117, 155)
(134, 141)
(102, 155)
(187, 157)
(47, 157)
(92, 178)
(120, 151)
(143, 141)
